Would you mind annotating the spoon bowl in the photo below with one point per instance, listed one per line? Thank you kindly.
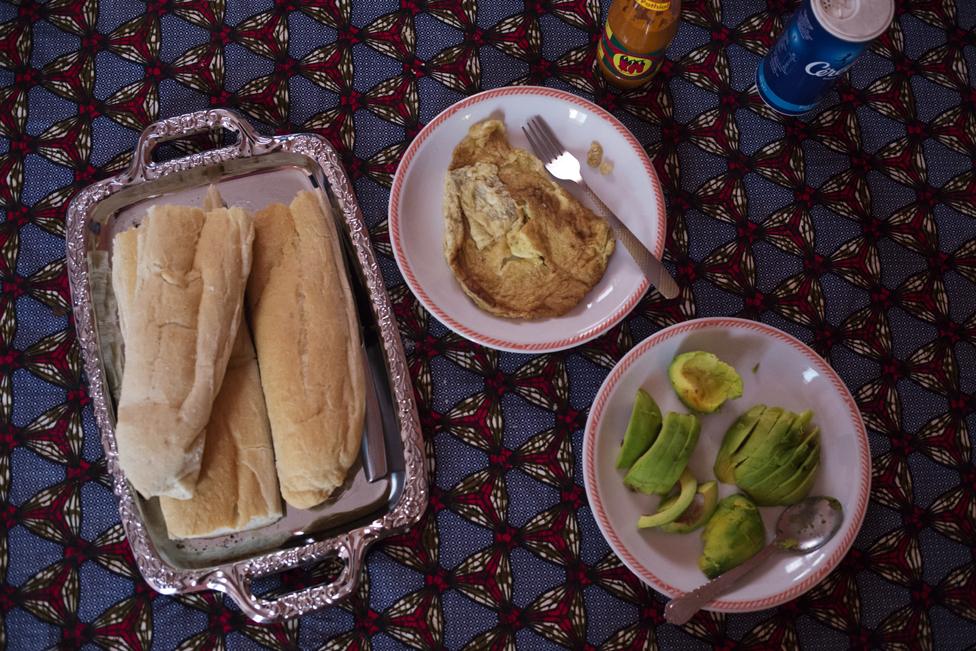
(808, 525)
(801, 528)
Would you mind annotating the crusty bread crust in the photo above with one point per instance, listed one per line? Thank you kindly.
(306, 333)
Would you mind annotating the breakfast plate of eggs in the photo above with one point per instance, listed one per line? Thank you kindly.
(499, 251)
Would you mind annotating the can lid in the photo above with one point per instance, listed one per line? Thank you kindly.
(855, 20)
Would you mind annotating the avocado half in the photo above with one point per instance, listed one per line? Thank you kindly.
(772, 454)
(734, 534)
(702, 381)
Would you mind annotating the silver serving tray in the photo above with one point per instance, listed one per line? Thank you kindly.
(386, 490)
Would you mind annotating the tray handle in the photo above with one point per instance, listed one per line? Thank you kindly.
(143, 168)
(236, 584)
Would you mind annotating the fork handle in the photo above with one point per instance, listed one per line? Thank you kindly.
(655, 271)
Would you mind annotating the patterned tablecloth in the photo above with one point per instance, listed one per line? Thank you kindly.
(852, 229)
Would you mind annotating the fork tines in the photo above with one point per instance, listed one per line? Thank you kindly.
(542, 139)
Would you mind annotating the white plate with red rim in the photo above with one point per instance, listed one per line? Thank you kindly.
(787, 374)
(416, 222)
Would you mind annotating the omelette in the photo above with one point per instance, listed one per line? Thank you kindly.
(519, 245)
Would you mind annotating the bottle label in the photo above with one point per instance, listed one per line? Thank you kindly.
(655, 5)
(624, 62)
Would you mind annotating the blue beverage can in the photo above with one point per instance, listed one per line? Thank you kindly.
(821, 41)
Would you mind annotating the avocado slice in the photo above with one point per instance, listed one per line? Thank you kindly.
(642, 476)
(657, 470)
(803, 489)
(697, 513)
(759, 433)
(780, 446)
(702, 381)
(643, 428)
(734, 438)
(669, 513)
(796, 488)
(734, 534)
(776, 448)
(769, 489)
(684, 455)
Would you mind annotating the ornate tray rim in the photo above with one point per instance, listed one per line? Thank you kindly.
(234, 578)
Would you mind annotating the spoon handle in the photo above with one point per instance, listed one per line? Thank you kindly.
(680, 610)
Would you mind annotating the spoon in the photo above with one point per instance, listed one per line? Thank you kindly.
(804, 527)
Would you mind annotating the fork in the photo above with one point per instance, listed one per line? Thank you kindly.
(566, 167)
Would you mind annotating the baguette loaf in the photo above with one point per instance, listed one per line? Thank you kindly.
(237, 488)
(307, 337)
(190, 269)
(124, 274)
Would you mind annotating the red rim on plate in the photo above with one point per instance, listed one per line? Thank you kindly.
(445, 318)
(596, 501)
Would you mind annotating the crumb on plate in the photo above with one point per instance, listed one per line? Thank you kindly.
(595, 154)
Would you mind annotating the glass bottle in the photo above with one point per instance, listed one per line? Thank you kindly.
(636, 34)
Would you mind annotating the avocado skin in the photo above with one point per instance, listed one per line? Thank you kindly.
(669, 512)
(736, 435)
(657, 470)
(733, 535)
(684, 524)
(702, 381)
(642, 430)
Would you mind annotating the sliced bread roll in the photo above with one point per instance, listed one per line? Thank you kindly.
(307, 337)
(190, 269)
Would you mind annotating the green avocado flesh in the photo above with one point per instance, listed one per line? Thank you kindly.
(775, 486)
(733, 440)
(702, 381)
(698, 512)
(772, 454)
(733, 535)
(669, 513)
(643, 428)
(805, 477)
(657, 470)
(769, 454)
(763, 427)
